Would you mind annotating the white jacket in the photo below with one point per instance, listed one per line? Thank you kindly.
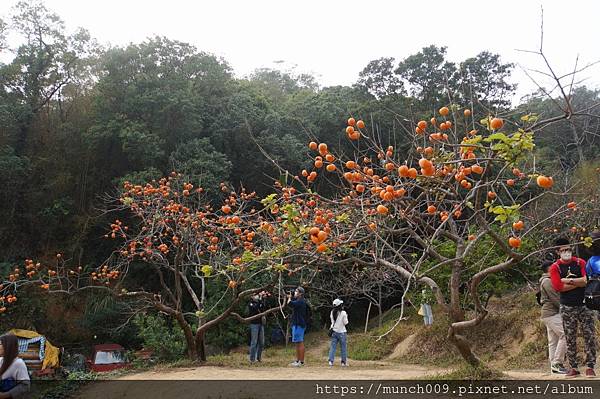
(339, 325)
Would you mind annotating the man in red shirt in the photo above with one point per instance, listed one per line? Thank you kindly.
(568, 277)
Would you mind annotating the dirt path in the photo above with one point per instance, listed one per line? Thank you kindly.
(221, 381)
(372, 371)
(151, 384)
(539, 375)
(375, 371)
(199, 382)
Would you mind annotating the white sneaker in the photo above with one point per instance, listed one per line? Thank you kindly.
(296, 364)
(330, 364)
(344, 364)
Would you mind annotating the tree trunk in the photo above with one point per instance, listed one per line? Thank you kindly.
(189, 336)
(200, 346)
(578, 145)
(367, 318)
(380, 320)
(464, 348)
(456, 313)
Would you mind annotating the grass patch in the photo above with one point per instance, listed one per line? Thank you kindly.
(468, 372)
(511, 336)
(431, 346)
(273, 356)
(532, 356)
(368, 347)
(511, 331)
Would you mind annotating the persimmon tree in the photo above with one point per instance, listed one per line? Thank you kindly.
(198, 263)
(467, 182)
(470, 180)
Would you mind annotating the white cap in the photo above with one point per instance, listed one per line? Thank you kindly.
(337, 302)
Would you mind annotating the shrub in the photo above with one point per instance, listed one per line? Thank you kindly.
(167, 342)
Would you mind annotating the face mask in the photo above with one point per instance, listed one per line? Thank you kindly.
(566, 256)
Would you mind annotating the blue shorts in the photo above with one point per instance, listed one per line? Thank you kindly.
(298, 334)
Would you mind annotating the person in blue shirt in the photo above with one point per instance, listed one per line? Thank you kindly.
(592, 267)
(299, 315)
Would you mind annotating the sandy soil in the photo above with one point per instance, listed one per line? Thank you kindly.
(396, 372)
(192, 382)
(199, 382)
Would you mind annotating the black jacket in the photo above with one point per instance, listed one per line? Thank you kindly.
(254, 308)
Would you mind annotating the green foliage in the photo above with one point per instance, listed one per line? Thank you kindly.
(76, 119)
(140, 177)
(505, 213)
(368, 347)
(166, 342)
(106, 319)
(378, 78)
(512, 148)
(82, 376)
(229, 334)
(486, 253)
(204, 166)
(424, 72)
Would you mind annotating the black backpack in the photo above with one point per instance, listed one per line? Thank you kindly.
(538, 294)
(538, 297)
(592, 294)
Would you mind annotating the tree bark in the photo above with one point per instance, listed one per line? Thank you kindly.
(189, 336)
(200, 344)
(379, 307)
(464, 347)
(578, 142)
(367, 318)
(455, 313)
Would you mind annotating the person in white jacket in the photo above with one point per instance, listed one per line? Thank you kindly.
(339, 320)
(14, 378)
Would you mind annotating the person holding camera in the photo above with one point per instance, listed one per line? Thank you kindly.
(299, 315)
(337, 332)
(257, 326)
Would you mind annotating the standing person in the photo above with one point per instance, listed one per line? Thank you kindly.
(568, 277)
(339, 320)
(592, 268)
(550, 301)
(425, 309)
(14, 377)
(257, 326)
(298, 304)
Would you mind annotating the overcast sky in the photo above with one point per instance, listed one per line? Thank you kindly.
(335, 39)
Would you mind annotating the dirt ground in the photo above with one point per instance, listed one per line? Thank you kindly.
(199, 382)
(387, 372)
(307, 372)
(196, 382)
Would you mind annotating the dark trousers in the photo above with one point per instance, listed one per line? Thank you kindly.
(257, 341)
(574, 317)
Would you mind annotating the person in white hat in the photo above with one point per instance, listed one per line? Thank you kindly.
(339, 320)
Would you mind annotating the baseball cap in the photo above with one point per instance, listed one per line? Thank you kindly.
(300, 290)
(337, 302)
